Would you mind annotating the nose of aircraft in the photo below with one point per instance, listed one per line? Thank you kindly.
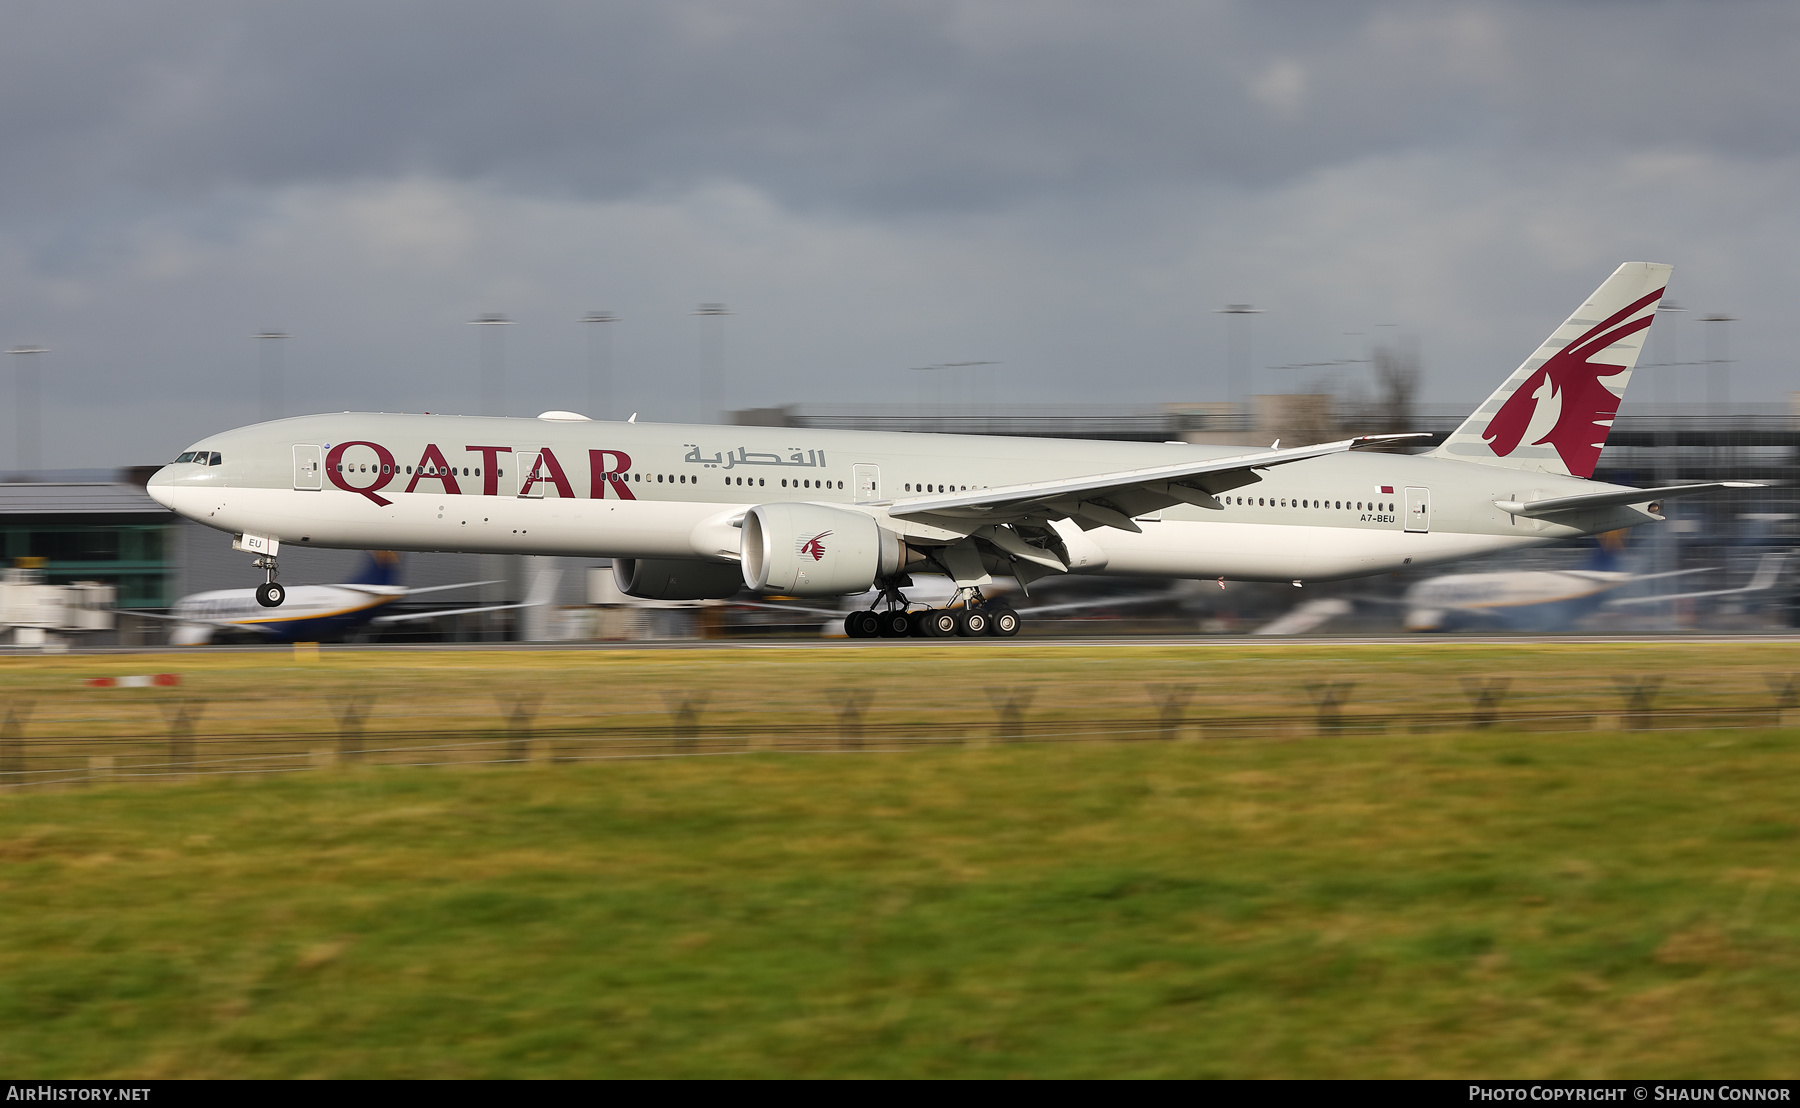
(161, 487)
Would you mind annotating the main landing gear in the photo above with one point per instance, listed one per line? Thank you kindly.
(977, 616)
(269, 594)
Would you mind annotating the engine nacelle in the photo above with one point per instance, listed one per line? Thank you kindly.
(816, 550)
(676, 579)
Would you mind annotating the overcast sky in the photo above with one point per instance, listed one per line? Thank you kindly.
(1069, 190)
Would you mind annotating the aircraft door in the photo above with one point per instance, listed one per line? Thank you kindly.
(1418, 510)
(525, 467)
(309, 467)
(868, 483)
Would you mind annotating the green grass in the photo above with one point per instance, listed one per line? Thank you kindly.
(1492, 904)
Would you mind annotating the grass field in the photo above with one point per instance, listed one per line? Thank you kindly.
(1450, 903)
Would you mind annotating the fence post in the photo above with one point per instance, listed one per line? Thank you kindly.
(1011, 703)
(181, 716)
(12, 742)
(1640, 696)
(519, 710)
(351, 710)
(1485, 695)
(1171, 704)
(686, 708)
(849, 708)
(1329, 697)
(1786, 690)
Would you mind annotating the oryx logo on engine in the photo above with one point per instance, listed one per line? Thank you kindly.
(814, 546)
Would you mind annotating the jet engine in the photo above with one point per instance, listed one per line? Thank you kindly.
(676, 579)
(816, 550)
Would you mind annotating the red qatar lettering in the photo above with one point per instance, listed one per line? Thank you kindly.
(384, 472)
(490, 467)
(434, 458)
(547, 460)
(602, 477)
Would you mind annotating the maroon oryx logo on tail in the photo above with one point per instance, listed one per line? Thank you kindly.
(814, 546)
(1570, 388)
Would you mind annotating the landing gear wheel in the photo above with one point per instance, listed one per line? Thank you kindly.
(1003, 623)
(971, 622)
(862, 625)
(894, 625)
(940, 624)
(270, 594)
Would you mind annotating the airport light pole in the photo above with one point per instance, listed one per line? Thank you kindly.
(26, 402)
(1665, 468)
(599, 352)
(493, 362)
(937, 372)
(712, 359)
(1718, 361)
(271, 369)
(1237, 349)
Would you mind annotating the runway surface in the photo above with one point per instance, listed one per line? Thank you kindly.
(1214, 642)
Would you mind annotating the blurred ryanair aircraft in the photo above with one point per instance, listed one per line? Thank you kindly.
(1539, 601)
(316, 613)
(1548, 600)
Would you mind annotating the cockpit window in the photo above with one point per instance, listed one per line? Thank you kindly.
(185, 456)
(215, 460)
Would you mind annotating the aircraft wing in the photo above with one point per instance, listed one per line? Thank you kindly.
(1112, 499)
(1768, 568)
(1556, 505)
(398, 590)
(543, 591)
(1123, 601)
(795, 608)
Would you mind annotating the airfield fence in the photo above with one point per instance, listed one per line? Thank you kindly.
(55, 737)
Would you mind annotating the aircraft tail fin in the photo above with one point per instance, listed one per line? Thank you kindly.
(382, 568)
(1553, 414)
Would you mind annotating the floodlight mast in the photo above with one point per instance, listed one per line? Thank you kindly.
(493, 362)
(27, 403)
(600, 364)
(1237, 349)
(712, 360)
(271, 371)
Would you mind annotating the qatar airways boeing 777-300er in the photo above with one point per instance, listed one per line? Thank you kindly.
(699, 512)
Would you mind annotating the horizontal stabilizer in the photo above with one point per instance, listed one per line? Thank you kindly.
(1591, 501)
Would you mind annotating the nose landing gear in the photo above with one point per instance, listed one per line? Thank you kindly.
(270, 593)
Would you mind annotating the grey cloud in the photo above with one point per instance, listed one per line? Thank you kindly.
(895, 107)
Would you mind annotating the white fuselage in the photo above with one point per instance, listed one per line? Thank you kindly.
(628, 490)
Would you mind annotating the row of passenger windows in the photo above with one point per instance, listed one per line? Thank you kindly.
(1284, 502)
(935, 488)
(441, 471)
(424, 471)
(200, 457)
(798, 484)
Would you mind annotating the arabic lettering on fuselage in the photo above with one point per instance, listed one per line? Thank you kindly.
(744, 456)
